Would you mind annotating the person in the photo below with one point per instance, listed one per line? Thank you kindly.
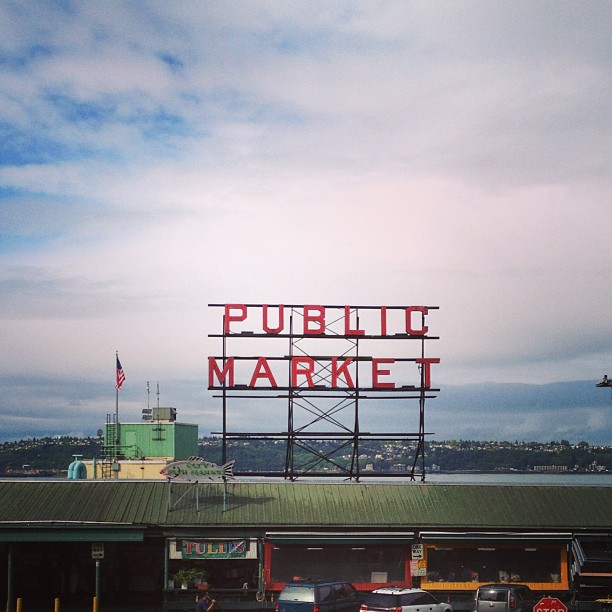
(206, 603)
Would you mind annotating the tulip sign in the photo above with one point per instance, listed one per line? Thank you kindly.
(550, 604)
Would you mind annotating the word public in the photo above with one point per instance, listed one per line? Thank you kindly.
(386, 323)
(315, 319)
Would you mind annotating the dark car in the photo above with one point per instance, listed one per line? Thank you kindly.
(504, 598)
(318, 596)
(403, 599)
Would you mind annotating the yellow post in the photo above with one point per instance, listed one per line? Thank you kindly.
(19, 604)
(56, 605)
(95, 604)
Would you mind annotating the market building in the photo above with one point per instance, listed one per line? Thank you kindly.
(129, 538)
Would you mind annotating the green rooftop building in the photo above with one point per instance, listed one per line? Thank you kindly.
(141, 449)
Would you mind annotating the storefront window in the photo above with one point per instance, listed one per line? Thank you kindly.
(356, 564)
(493, 564)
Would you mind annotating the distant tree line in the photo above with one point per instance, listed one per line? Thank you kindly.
(520, 457)
(46, 453)
(262, 455)
(56, 453)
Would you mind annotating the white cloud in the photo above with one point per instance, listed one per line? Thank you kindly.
(158, 158)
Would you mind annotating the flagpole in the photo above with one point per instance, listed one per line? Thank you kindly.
(116, 401)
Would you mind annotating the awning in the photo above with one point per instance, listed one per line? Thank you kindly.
(75, 533)
(349, 539)
(480, 536)
(593, 555)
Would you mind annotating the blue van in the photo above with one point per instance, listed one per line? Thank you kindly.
(318, 596)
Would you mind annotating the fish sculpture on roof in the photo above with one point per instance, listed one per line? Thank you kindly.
(195, 469)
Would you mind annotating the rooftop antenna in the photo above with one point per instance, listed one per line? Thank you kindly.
(158, 427)
(146, 412)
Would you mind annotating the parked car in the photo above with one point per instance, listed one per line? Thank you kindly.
(318, 596)
(504, 598)
(402, 599)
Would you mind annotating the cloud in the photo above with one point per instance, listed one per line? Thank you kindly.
(160, 157)
(574, 411)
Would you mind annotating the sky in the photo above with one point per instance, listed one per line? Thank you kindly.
(157, 157)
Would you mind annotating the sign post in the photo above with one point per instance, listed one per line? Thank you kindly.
(97, 553)
(550, 604)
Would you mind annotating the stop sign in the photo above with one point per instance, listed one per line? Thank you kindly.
(550, 604)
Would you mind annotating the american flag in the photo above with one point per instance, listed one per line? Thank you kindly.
(120, 374)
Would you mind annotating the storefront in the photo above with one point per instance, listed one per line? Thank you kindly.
(74, 562)
(592, 565)
(461, 561)
(368, 560)
(230, 563)
(231, 566)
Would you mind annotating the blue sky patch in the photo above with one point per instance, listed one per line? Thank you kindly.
(22, 148)
(90, 112)
(10, 192)
(13, 243)
(163, 122)
(21, 59)
(19, 148)
(173, 62)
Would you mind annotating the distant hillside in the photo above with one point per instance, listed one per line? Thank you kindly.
(452, 455)
(45, 453)
(574, 410)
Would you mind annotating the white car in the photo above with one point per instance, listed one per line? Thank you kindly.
(402, 599)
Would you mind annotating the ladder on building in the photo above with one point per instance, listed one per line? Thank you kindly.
(109, 450)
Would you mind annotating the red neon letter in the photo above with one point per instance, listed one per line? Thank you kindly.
(376, 372)
(342, 370)
(383, 320)
(262, 370)
(409, 329)
(281, 320)
(228, 317)
(228, 369)
(307, 371)
(426, 369)
(347, 324)
(316, 318)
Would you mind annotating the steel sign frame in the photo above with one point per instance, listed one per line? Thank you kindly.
(325, 392)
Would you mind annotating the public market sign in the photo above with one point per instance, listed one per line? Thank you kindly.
(309, 322)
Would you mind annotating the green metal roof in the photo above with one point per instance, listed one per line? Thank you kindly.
(35, 532)
(281, 505)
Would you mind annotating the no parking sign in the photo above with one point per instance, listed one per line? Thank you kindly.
(97, 550)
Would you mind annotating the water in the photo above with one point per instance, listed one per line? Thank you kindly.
(567, 479)
(503, 478)
(562, 479)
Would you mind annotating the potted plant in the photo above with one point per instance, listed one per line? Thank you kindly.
(201, 581)
(189, 576)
